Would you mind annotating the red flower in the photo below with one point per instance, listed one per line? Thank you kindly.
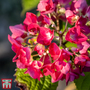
(74, 35)
(30, 18)
(78, 6)
(17, 30)
(33, 28)
(34, 70)
(39, 48)
(54, 50)
(46, 6)
(45, 36)
(43, 19)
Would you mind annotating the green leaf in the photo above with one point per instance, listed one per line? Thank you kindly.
(34, 84)
(28, 5)
(83, 82)
(69, 44)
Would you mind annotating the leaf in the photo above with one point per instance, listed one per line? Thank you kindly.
(69, 44)
(28, 5)
(34, 84)
(83, 82)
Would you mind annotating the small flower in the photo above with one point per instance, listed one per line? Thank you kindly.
(54, 50)
(46, 6)
(74, 35)
(34, 70)
(39, 48)
(30, 18)
(45, 36)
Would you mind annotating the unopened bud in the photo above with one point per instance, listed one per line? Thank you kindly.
(62, 10)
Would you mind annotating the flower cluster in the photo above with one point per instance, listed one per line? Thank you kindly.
(40, 43)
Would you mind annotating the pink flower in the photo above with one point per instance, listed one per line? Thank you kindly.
(78, 6)
(56, 76)
(73, 74)
(61, 70)
(43, 19)
(81, 21)
(45, 36)
(45, 6)
(54, 50)
(65, 55)
(34, 70)
(39, 48)
(30, 18)
(74, 35)
(83, 47)
(18, 33)
(33, 28)
(23, 56)
(71, 17)
(12, 41)
(17, 30)
(81, 60)
(46, 60)
(48, 70)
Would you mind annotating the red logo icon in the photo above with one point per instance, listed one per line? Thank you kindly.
(6, 83)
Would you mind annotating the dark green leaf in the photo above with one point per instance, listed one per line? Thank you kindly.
(83, 83)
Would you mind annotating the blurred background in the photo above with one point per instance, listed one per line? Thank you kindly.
(12, 12)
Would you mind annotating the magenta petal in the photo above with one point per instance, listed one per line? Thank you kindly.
(39, 48)
(66, 68)
(54, 51)
(30, 18)
(20, 65)
(28, 53)
(74, 35)
(84, 46)
(46, 59)
(32, 72)
(67, 78)
(58, 76)
(45, 36)
(87, 64)
(12, 41)
(17, 30)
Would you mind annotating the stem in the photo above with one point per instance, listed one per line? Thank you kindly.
(57, 21)
(60, 38)
(65, 27)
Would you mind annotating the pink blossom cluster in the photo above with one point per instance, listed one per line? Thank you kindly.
(40, 42)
